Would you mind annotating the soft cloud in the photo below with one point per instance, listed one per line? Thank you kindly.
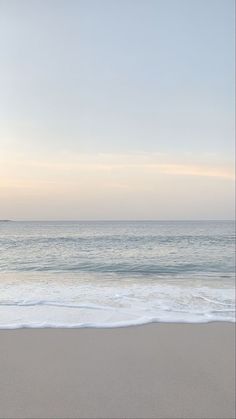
(141, 185)
(22, 171)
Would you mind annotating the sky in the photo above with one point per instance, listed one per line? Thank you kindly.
(116, 109)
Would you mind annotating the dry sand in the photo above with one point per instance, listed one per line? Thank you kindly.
(152, 371)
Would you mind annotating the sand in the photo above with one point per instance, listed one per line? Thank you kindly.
(151, 371)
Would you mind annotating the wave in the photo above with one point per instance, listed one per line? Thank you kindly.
(106, 316)
(124, 268)
(90, 306)
(52, 304)
(150, 238)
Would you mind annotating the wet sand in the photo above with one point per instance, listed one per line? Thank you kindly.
(152, 371)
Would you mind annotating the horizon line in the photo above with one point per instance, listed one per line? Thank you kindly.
(116, 220)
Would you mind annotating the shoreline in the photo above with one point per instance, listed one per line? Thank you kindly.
(120, 326)
(158, 370)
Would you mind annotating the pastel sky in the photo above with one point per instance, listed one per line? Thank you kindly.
(117, 109)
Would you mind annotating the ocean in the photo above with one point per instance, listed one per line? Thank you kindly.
(116, 273)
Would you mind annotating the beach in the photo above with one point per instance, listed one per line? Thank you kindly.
(161, 370)
(117, 215)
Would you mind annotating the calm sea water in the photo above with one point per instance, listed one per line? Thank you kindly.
(76, 274)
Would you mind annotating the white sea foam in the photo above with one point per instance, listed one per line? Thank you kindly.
(56, 300)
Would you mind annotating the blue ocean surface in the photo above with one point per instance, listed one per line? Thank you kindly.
(116, 273)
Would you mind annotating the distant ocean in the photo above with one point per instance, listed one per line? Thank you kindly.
(109, 274)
